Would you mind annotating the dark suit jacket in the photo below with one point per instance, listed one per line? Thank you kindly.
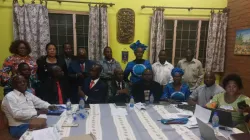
(113, 88)
(43, 67)
(73, 69)
(97, 94)
(72, 58)
(48, 90)
(139, 87)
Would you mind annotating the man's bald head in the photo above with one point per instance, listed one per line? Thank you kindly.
(19, 83)
(95, 71)
(209, 78)
(118, 73)
(56, 71)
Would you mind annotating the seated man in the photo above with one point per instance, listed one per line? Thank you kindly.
(19, 107)
(142, 90)
(119, 89)
(78, 70)
(94, 90)
(204, 93)
(24, 70)
(55, 89)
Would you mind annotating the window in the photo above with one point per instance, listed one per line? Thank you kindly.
(186, 34)
(69, 27)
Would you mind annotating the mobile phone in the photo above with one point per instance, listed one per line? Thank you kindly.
(120, 104)
(242, 104)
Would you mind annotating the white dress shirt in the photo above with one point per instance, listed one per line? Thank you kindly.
(95, 81)
(19, 108)
(162, 73)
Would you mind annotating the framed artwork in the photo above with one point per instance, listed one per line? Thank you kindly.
(125, 25)
(242, 42)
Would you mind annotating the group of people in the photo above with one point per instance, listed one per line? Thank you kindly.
(53, 79)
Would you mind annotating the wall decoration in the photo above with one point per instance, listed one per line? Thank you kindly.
(125, 56)
(125, 25)
(242, 42)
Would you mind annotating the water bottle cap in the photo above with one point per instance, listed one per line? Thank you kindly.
(215, 113)
(132, 97)
(68, 100)
(81, 98)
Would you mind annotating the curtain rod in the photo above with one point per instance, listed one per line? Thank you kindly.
(101, 3)
(60, 1)
(188, 8)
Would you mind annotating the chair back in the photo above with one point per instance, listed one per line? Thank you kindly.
(3, 119)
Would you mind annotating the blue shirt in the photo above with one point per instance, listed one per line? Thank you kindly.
(170, 93)
(136, 70)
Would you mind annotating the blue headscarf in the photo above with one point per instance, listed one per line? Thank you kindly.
(177, 70)
(138, 44)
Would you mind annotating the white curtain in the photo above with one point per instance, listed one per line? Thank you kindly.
(98, 31)
(216, 42)
(157, 35)
(31, 23)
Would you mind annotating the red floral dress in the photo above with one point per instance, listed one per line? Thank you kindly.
(11, 64)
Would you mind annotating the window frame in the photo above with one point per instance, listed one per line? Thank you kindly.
(175, 19)
(73, 13)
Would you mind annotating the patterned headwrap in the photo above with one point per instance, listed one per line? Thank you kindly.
(177, 70)
(138, 44)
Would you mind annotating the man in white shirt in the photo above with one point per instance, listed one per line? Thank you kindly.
(20, 107)
(162, 69)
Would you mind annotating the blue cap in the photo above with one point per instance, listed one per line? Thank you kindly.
(131, 97)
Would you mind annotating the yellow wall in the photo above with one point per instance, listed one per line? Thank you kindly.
(142, 25)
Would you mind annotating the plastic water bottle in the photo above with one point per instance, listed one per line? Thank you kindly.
(81, 104)
(68, 106)
(151, 99)
(82, 112)
(215, 122)
(131, 102)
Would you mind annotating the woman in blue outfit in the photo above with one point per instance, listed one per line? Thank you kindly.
(176, 90)
(137, 66)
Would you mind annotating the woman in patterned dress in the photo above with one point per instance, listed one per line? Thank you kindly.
(20, 50)
(137, 66)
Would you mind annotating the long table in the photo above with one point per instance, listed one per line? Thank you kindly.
(137, 125)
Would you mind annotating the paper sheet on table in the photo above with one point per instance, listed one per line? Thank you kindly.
(46, 134)
(119, 111)
(202, 113)
(42, 116)
(192, 123)
(140, 106)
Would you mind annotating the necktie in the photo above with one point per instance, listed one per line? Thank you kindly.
(91, 84)
(59, 91)
(82, 67)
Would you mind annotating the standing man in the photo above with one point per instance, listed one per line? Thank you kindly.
(193, 71)
(162, 70)
(204, 93)
(94, 90)
(78, 71)
(68, 54)
(109, 64)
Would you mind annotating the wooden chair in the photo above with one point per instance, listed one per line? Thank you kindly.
(4, 131)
